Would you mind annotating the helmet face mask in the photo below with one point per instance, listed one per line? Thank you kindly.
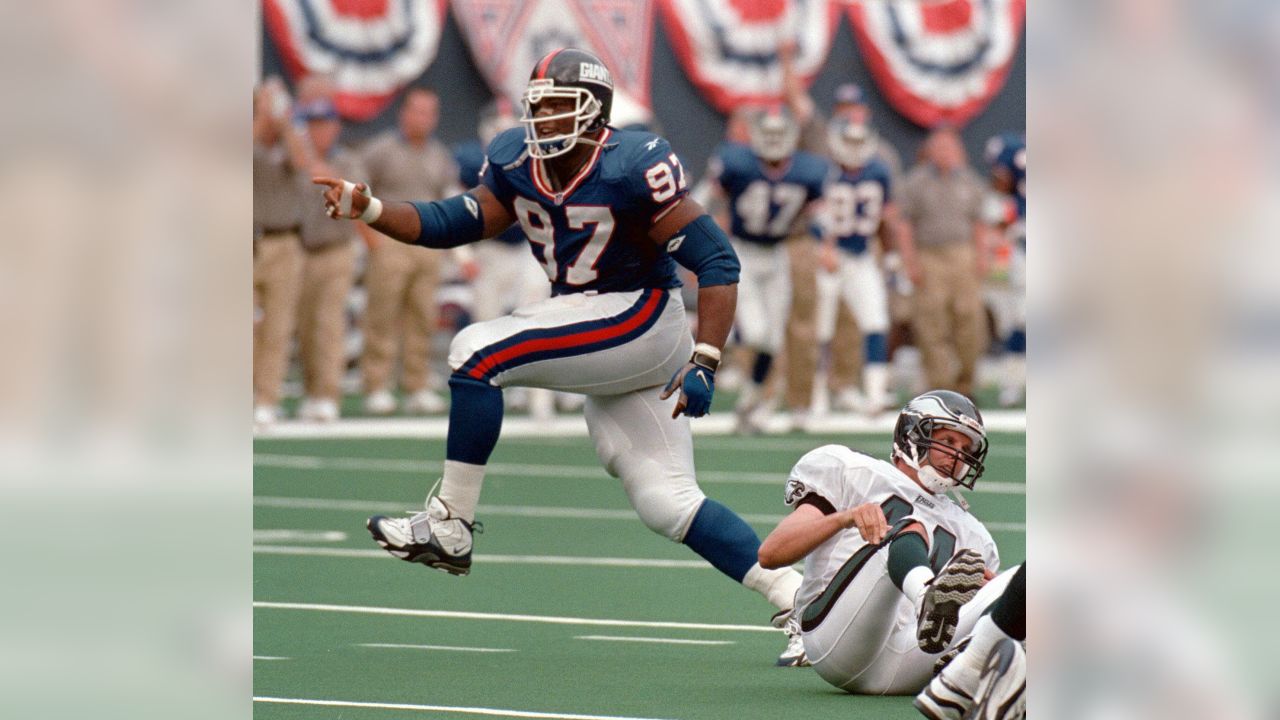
(582, 81)
(774, 137)
(914, 440)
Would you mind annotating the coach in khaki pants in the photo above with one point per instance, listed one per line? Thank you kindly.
(328, 271)
(944, 247)
(281, 161)
(404, 164)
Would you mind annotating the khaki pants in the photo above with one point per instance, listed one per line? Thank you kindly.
(846, 351)
(401, 286)
(801, 353)
(329, 273)
(277, 284)
(949, 322)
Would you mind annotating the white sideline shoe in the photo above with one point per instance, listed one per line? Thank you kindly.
(380, 402)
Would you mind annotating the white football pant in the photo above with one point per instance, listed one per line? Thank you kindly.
(764, 295)
(867, 642)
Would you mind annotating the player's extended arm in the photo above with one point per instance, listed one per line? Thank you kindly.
(461, 219)
(807, 527)
(696, 242)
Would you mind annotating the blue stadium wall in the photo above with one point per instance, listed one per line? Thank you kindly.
(688, 121)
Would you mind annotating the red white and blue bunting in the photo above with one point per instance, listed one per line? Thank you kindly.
(370, 48)
(938, 61)
(508, 37)
(729, 48)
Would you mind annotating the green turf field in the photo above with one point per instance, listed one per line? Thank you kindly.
(573, 608)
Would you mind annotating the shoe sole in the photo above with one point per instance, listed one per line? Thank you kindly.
(425, 556)
(956, 585)
(934, 707)
(1014, 705)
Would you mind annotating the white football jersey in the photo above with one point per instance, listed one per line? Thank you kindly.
(847, 479)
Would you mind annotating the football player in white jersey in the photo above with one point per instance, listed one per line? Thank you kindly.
(894, 568)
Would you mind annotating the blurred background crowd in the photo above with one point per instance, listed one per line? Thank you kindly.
(350, 323)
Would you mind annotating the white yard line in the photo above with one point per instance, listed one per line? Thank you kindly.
(547, 619)
(491, 712)
(576, 426)
(275, 535)
(374, 553)
(667, 641)
(269, 657)
(544, 472)
(533, 511)
(451, 648)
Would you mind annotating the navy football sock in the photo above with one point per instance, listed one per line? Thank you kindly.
(1009, 611)
(1017, 342)
(475, 420)
(876, 348)
(760, 370)
(723, 539)
(907, 552)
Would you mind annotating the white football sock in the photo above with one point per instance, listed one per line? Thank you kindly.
(875, 380)
(460, 488)
(985, 636)
(914, 583)
(777, 586)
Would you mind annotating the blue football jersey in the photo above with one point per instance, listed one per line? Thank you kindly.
(470, 158)
(854, 204)
(763, 204)
(593, 234)
(1009, 151)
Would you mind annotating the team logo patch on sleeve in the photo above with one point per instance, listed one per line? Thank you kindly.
(473, 207)
(795, 491)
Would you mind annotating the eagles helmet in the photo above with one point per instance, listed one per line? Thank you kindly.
(913, 438)
(572, 74)
(774, 134)
(852, 144)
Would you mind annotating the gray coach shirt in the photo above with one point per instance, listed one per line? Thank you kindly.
(941, 208)
(318, 229)
(277, 195)
(400, 171)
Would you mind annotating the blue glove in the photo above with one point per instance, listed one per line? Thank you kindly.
(697, 384)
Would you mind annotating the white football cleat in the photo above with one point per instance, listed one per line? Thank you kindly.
(380, 402)
(1002, 690)
(425, 402)
(950, 694)
(322, 410)
(793, 655)
(265, 415)
(433, 538)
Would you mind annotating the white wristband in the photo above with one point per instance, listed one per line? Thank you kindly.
(707, 349)
(373, 212)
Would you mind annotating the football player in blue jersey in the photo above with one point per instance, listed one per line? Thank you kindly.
(1006, 157)
(771, 189)
(607, 217)
(855, 203)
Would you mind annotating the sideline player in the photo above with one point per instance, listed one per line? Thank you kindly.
(605, 211)
(987, 678)
(894, 569)
(855, 204)
(770, 187)
(1006, 156)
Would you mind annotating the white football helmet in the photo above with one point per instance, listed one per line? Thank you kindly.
(852, 144)
(774, 135)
